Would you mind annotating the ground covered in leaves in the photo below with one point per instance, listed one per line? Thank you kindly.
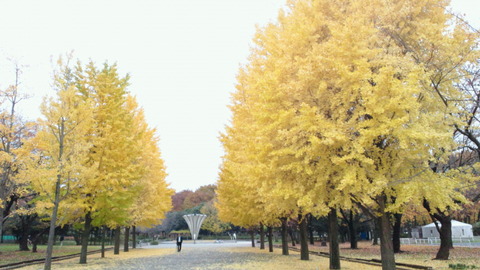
(9, 253)
(201, 258)
(414, 254)
(246, 257)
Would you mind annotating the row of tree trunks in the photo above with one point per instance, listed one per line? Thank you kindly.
(116, 250)
(390, 239)
(352, 221)
(382, 223)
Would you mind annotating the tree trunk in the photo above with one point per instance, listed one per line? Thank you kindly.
(1, 225)
(53, 220)
(24, 236)
(252, 237)
(386, 245)
(134, 236)
(284, 237)
(270, 238)
(292, 237)
(116, 245)
(85, 238)
(104, 229)
(310, 229)
(352, 230)
(23, 243)
(333, 239)
(77, 238)
(304, 255)
(396, 233)
(262, 236)
(375, 232)
(36, 239)
(445, 231)
(446, 244)
(127, 239)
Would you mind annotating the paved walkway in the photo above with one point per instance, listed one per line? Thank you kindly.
(202, 255)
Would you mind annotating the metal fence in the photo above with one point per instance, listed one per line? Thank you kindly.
(463, 241)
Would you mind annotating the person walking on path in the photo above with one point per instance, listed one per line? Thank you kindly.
(179, 242)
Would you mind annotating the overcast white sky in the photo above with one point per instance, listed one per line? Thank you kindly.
(182, 55)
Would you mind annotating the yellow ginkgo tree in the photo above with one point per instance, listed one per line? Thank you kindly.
(155, 195)
(115, 152)
(54, 159)
(345, 105)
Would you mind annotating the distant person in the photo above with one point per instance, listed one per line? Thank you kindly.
(179, 242)
(61, 240)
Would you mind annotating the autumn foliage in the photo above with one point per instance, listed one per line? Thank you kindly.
(346, 104)
(94, 160)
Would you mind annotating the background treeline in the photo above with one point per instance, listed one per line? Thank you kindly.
(200, 201)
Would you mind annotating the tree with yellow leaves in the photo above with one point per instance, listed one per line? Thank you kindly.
(345, 98)
(55, 156)
(110, 193)
(245, 198)
(155, 200)
(13, 131)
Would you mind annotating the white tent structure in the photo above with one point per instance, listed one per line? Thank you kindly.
(459, 230)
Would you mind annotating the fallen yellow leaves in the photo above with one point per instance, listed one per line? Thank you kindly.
(110, 260)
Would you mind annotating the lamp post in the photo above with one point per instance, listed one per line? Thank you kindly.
(194, 222)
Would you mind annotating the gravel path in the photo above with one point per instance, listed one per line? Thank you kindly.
(193, 256)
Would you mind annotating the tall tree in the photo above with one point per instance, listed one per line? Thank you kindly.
(212, 222)
(108, 195)
(60, 148)
(155, 200)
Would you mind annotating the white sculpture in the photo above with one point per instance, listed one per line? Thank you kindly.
(194, 222)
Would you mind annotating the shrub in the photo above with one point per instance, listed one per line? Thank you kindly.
(476, 228)
(154, 243)
(461, 266)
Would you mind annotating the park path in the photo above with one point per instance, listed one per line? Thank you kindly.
(195, 256)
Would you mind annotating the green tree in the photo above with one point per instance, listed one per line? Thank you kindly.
(211, 222)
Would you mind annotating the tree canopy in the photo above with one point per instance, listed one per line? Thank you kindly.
(347, 103)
